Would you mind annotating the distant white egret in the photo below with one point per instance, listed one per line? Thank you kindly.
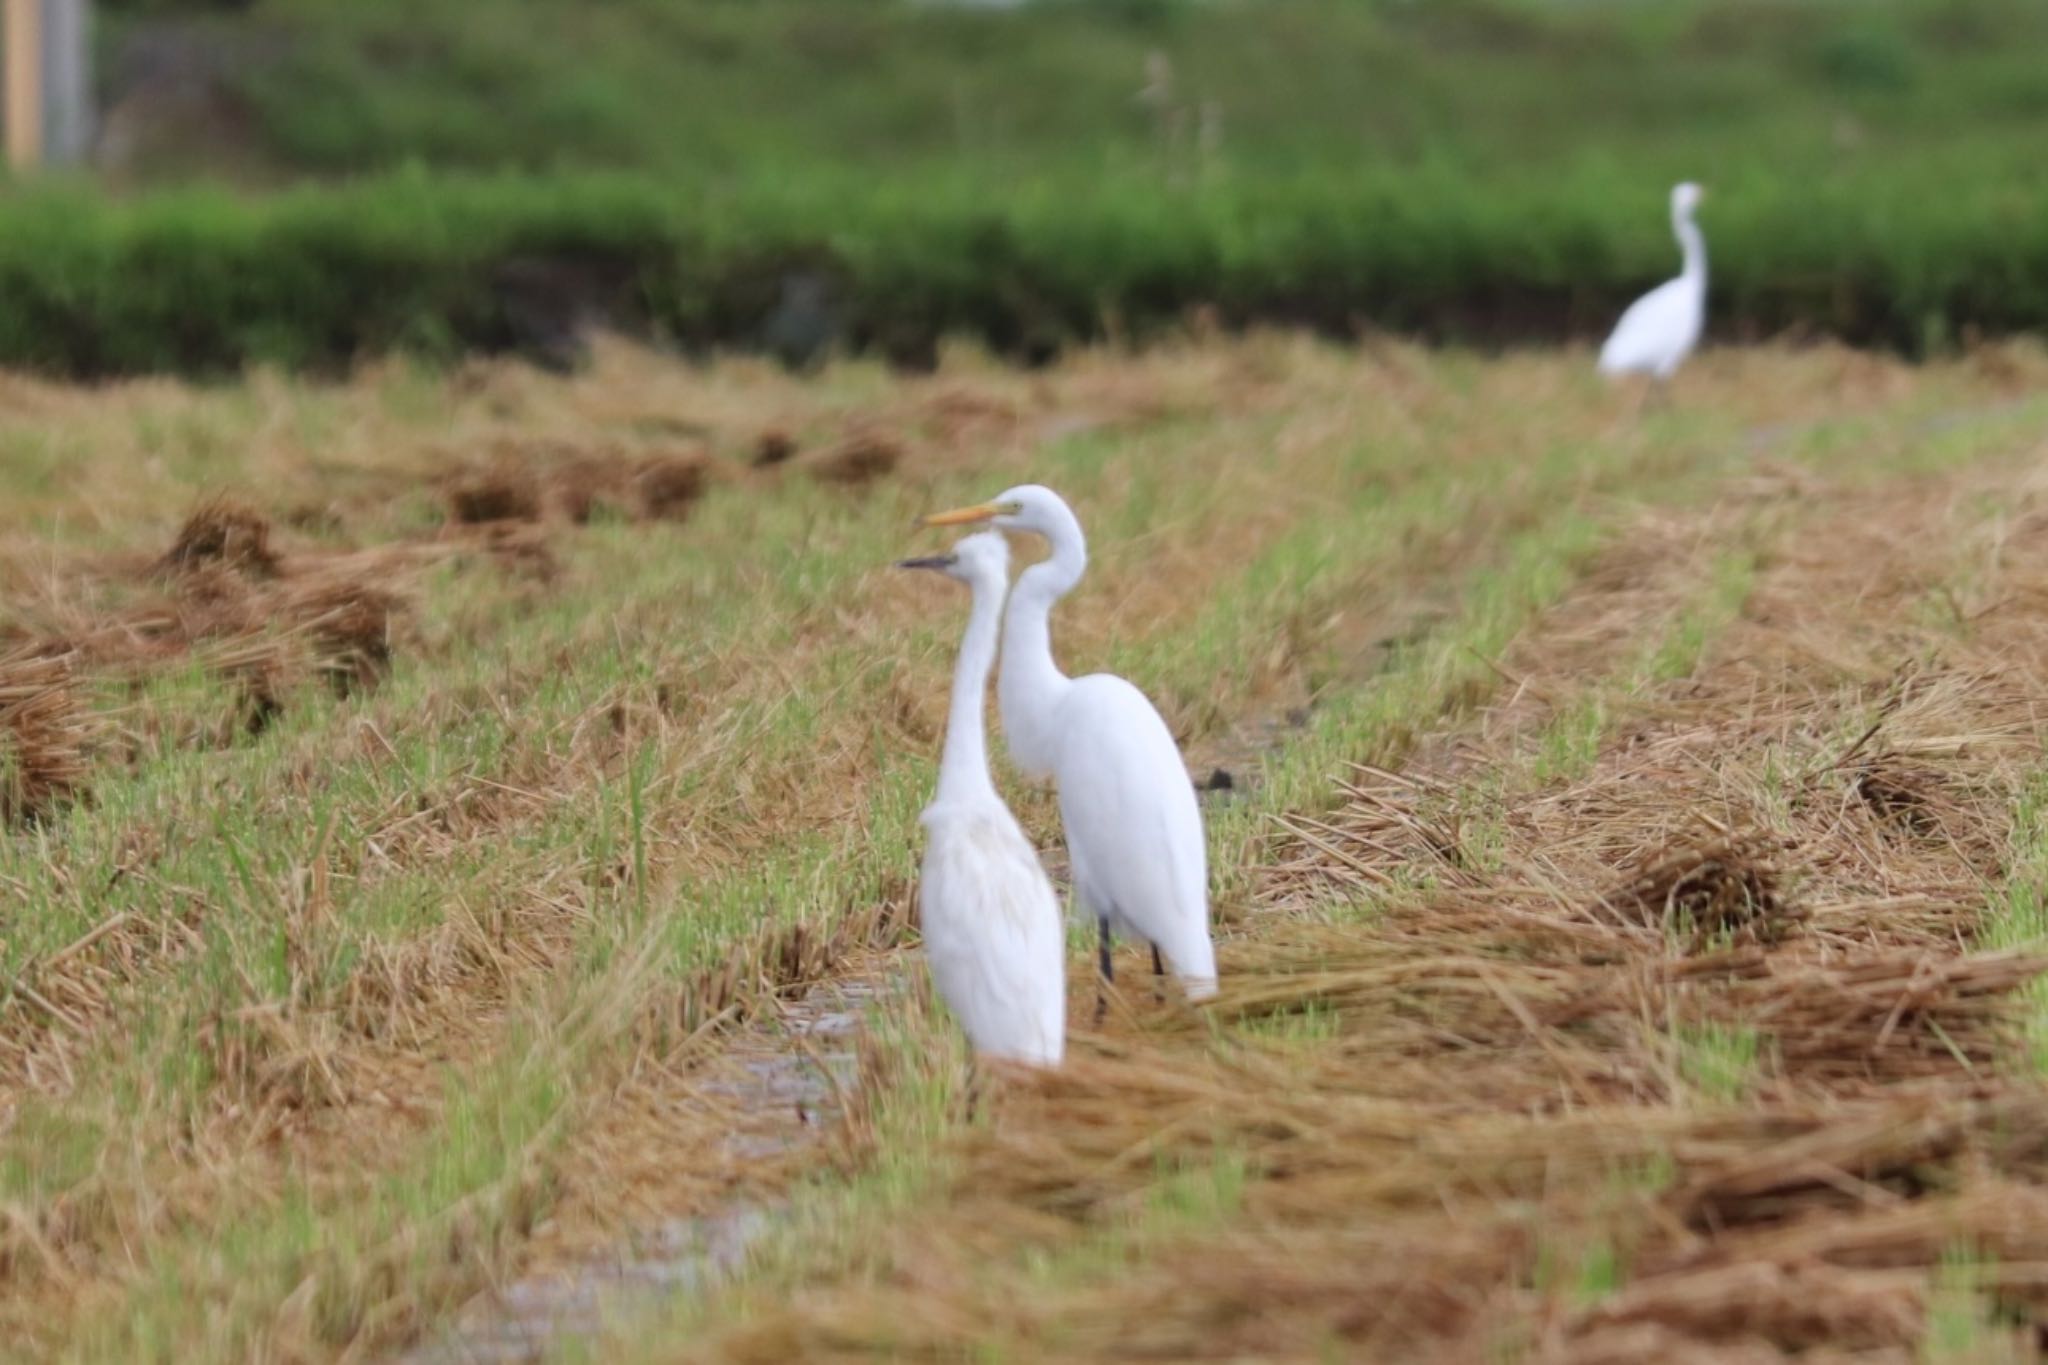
(991, 922)
(1134, 831)
(1660, 329)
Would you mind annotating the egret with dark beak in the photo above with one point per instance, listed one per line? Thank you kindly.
(991, 923)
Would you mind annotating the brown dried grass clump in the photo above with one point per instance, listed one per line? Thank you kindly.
(1796, 1305)
(524, 550)
(502, 491)
(775, 446)
(962, 416)
(1893, 1017)
(584, 484)
(1908, 796)
(273, 1060)
(670, 484)
(225, 532)
(43, 736)
(1418, 1230)
(261, 672)
(209, 602)
(859, 459)
(1723, 882)
(262, 700)
(316, 518)
(349, 624)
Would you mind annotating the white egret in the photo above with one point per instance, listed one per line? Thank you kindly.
(1660, 329)
(1134, 831)
(991, 922)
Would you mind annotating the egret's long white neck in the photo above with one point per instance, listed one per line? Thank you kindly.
(1692, 245)
(1031, 683)
(963, 766)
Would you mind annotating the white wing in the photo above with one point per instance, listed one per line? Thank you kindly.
(1656, 332)
(1134, 829)
(992, 932)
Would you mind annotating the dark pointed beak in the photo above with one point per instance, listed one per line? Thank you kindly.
(940, 562)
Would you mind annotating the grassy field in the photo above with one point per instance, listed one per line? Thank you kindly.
(1626, 888)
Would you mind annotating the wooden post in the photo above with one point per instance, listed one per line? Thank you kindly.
(23, 35)
(67, 81)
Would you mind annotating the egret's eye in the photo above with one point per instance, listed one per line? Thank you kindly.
(1010, 509)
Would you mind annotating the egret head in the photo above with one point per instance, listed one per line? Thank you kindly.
(980, 558)
(1685, 197)
(1027, 507)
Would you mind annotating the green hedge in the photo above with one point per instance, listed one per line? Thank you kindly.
(1482, 170)
(204, 281)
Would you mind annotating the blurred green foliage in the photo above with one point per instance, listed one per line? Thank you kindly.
(741, 89)
(1487, 169)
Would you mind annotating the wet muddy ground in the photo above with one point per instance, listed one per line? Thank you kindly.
(783, 1081)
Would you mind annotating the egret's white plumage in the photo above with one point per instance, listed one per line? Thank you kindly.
(1134, 830)
(991, 923)
(1660, 329)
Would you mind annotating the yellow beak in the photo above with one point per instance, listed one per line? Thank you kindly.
(962, 516)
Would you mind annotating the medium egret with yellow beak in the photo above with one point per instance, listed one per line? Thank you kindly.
(1134, 830)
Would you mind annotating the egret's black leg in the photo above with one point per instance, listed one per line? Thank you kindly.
(1158, 967)
(1108, 972)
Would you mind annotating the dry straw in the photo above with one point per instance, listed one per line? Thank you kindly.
(1677, 1049)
